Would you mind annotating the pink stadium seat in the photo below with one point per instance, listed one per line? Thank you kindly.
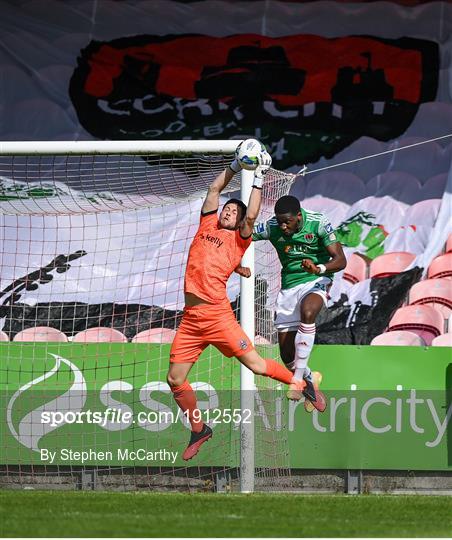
(356, 269)
(390, 264)
(99, 335)
(3, 336)
(398, 337)
(41, 333)
(445, 340)
(155, 335)
(435, 292)
(449, 244)
(260, 340)
(424, 321)
(441, 266)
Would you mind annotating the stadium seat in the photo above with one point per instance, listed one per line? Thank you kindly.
(411, 239)
(440, 267)
(444, 340)
(389, 264)
(100, 334)
(436, 292)
(155, 335)
(338, 185)
(398, 185)
(366, 169)
(41, 333)
(385, 206)
(356, 269)
(3, 336)
(398, 337)
(432, 118)
(434, 187)
(260, 340)
(422, 214)
(335, 210)
(424, 321)
(423, 161)
(449, 244)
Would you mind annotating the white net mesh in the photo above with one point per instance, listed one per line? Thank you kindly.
(93, 257)
(101, 183)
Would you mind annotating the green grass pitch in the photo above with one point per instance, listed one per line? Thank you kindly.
(79, 514)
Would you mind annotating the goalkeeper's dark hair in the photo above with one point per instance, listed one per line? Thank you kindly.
(287, 205)
(240, 205)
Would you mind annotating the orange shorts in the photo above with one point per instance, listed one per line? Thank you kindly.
(208, 324)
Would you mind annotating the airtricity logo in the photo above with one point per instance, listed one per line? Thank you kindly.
(30, 429)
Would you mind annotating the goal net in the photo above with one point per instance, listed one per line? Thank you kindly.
(95, 238)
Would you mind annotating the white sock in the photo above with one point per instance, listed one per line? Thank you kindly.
(304, 341)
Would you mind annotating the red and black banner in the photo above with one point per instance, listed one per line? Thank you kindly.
(308, 96)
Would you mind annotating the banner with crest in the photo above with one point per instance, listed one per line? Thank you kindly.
(359, 93)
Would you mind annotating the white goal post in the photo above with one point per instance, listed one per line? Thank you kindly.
(158, 196)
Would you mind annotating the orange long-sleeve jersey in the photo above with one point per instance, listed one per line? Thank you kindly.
(214, 254)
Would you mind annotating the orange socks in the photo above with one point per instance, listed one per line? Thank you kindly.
(277, 371)
(186, 399)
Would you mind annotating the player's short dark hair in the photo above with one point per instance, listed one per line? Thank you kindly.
(287, 205)
(240, 205)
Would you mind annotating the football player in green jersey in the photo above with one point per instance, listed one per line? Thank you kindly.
(309, 253)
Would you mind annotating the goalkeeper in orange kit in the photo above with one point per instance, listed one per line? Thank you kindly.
(208, 319)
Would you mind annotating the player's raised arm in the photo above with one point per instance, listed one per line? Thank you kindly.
(212, 200)
(254, 203)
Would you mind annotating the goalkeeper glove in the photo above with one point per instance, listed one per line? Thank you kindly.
(265, 161)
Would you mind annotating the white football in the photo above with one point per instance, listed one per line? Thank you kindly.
(247, 153)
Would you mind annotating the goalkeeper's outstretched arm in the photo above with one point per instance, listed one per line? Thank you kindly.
(212, 200)
(254, 203)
